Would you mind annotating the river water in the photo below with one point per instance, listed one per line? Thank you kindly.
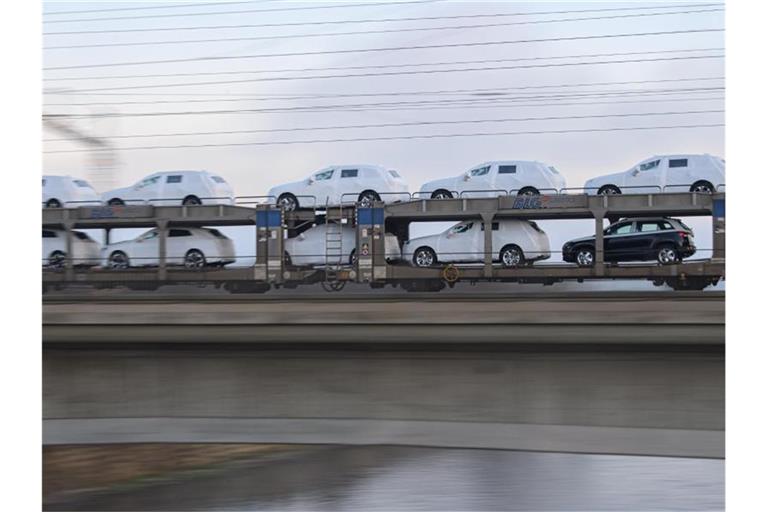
(403, 479)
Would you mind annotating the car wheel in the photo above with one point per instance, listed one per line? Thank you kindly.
(442, 194)
(528, 191)
(115, 201)
(53, 203)
(703, 187)
(424, 257)
(585, 257)
(667, 255)
(194, 259)
(118, 260)
(608, 190)
(288, 202)
(367, 198)
(191, 201)
(511, 256)
(57, 259)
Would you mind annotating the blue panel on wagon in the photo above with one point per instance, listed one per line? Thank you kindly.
(370, 215)
(718, 208)
(268, 219)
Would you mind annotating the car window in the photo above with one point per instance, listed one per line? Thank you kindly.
(480, 171)
(216, 233)
(324, 175)
(81, 183)
(462, 228)
(394, 174)
(620, 229)
(43, 181)
(179, 232)
(146, 182)
(678, 162)
(349, 173)
(649, 165)
(553, 170)
(507, 169)
(665, 225)
(494, 226)
(218, 179)
(148, 235)
(647, 226)
(81, 236)
(49, 234)
(173, 178)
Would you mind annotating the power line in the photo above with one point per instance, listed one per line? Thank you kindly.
(185, 6)
(373, 20)
(248, 11)
(404, 124)
(393, 48)
(378, 66)
(400, 73)
(409, 137)
(377, 104)
(369, 32)
(400, 93)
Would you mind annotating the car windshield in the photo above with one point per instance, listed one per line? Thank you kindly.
(394, 174)
(480, 171)
(82, 183)
(81, 236)
(462, 228)
(552, 170)
(218, 179)
(216, 233)
(324, 175)
(148, 181)
(649, 165)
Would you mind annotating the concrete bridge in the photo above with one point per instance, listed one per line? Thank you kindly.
(587, 373)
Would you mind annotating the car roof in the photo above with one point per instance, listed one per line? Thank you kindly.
(357, 166)
(176, 172)
(509, 162)
(645, 219)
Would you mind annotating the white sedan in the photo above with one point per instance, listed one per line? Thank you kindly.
(85, 250)
(668, 173)
(514, 243)
(339, 184)
(328, 244)
(66, 191)
(493, 179)
(174, 188)
(192, 247)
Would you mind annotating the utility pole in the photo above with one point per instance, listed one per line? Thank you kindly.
(102, 154)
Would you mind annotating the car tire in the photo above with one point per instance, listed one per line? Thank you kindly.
(584, 256)
(442, 194)
(528, 191)
(57, 259)
(424, 257)
(667, 254)
(367, 198)
(191, 201)
(116, 201)
(194, 259)
(609, 190)
(53, 203)
(703, 187)
(118, 260)
(288, 202)
(511, 256)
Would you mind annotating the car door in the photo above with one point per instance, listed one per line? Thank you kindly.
(172, 186)
(678, 175)
(507, 177)
(647, 177)
(647, 233)
(178, 242)
(147, 189)
(460, 243)
(476, 179)
(144, 249)
(617, 241)
(349, 184)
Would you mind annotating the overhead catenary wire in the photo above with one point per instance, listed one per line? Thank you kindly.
(398, 73)
(406, 124)
(368, 32)
(373, 20)
(246, 11)
(391, 48)
(186, 5)
(381, 66)
(406, 137)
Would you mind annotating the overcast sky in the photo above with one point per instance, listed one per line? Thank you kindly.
(254, 169)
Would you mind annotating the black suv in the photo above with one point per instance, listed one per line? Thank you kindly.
(651, 238)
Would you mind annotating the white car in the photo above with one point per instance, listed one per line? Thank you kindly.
(316, 246)
(339, 184)
(66, 191)
(492, 179)
(514, 243)
(191, 247)
(173, 188)
(85, 250)
(664, 173)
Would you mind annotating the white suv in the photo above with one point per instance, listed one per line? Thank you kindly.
(492, 179)
(66, 191)
(173, 188)
(339, 184)
(666, 173)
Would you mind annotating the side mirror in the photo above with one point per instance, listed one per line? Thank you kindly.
(301, 236)
(635, 172)
(466, 176)
(310, 181)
